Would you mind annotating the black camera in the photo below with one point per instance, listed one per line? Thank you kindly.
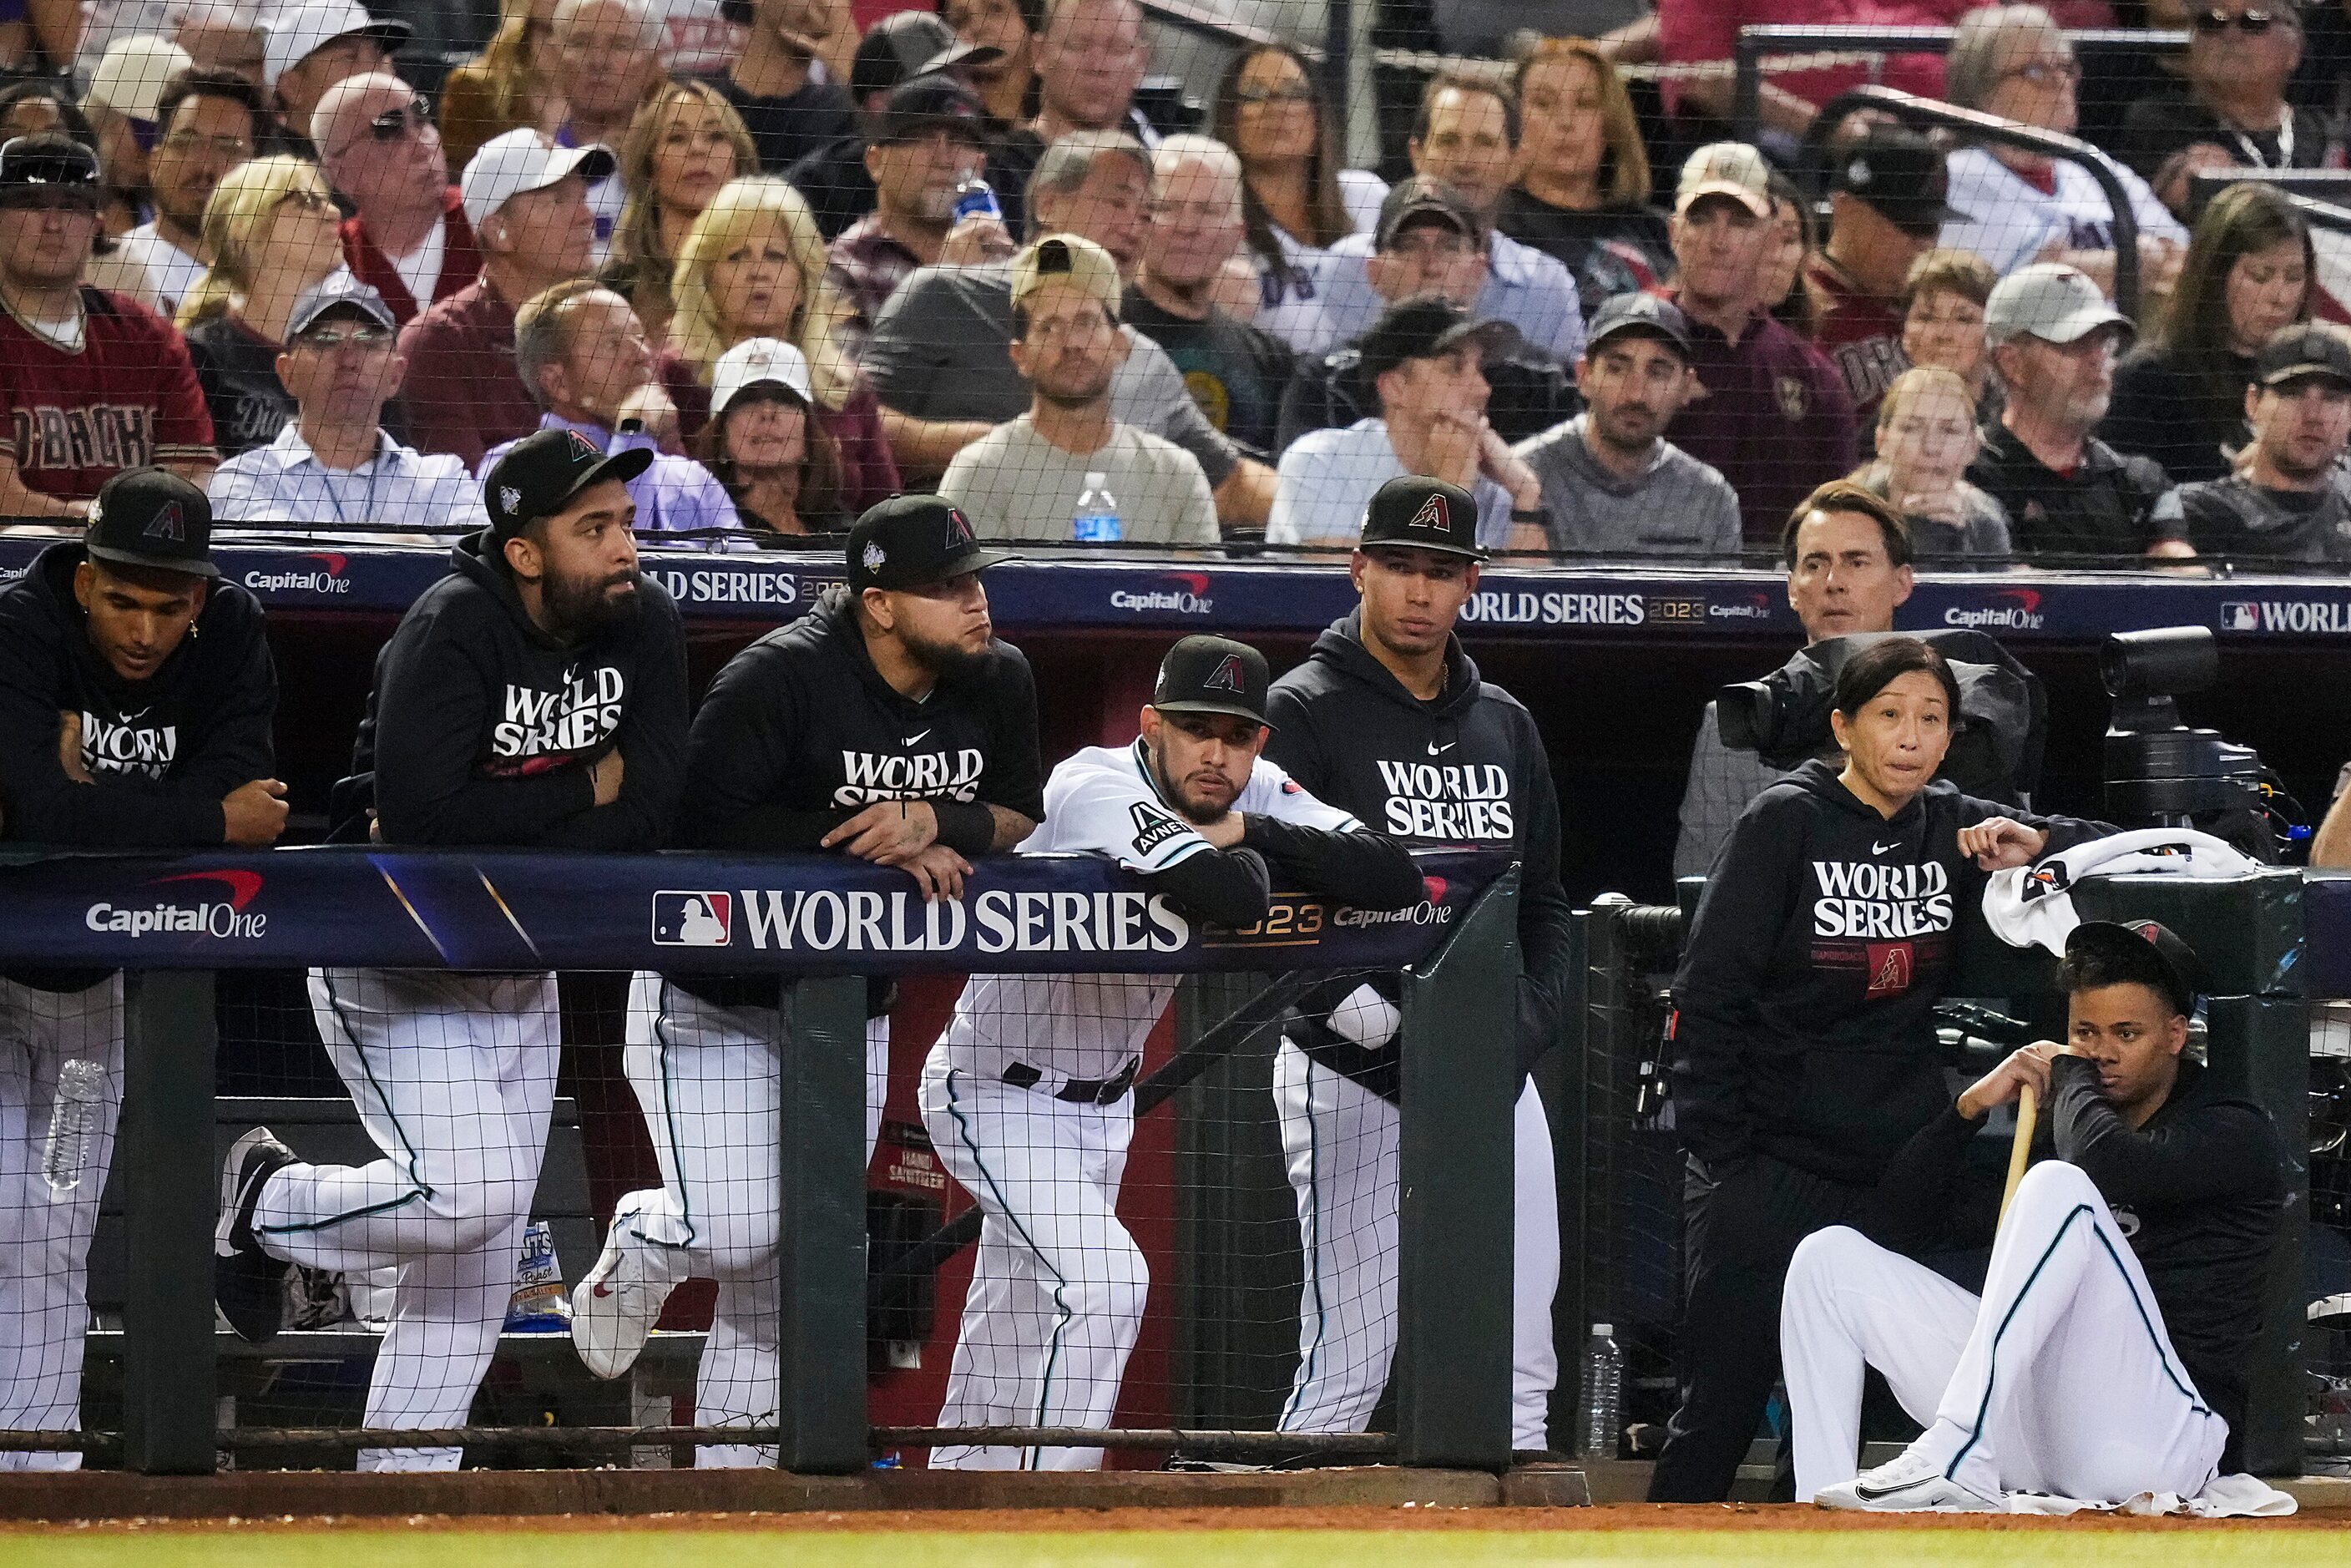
(2161, 773)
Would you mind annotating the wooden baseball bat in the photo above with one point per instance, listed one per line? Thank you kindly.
(2027, 1110)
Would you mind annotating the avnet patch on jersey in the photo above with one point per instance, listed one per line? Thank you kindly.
(1153, 827)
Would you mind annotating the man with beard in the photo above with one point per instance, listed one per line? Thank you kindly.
(2292, 499)
(209, 122)
(928, 136)
(1026, 1094)
(1026, 479)
(889, 725)
(1612, 484)
(534, 698)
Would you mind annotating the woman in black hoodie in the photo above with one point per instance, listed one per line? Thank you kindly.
(1802, 1042)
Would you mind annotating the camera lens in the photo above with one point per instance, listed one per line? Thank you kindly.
(2164, 661)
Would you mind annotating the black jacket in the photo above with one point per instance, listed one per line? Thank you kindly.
(1530, 393)
(161, 753)
(1803, 1019)
(1467, 769)
(482, 728)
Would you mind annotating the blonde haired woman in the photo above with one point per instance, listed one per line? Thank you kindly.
(753, 266)
(1926, 439)
(272, 231)
(509, 85)
(684, 145)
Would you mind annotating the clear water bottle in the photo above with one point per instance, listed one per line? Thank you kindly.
(1602, 1414)
(1095, 521)
(973, 198)
(73, 1123)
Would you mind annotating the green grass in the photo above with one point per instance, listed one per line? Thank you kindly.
(651, 1547)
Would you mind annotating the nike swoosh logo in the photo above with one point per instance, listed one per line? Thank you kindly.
(911, 739)
(1436, 750)
(601, 1291)
(1878, 849)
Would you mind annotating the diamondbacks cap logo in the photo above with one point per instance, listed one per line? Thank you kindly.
(958, 529)
(581, 447)
(168, 523)
(1227, 676)
(1433, 514)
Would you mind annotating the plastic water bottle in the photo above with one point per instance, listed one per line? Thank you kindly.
(1603, 1411)
(973, 198)
(73, 1122)
(1096, 519)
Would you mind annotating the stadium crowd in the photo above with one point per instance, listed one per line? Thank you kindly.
(802, 262)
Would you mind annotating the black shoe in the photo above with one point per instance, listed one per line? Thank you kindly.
(248, 1284)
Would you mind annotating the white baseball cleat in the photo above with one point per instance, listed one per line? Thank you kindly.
(1907, 1484)
(616, 1306)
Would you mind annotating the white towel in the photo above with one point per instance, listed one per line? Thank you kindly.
(2033, 905)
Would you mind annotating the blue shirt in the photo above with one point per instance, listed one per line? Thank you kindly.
(1531, 291)
(396, 489)
(675, 495)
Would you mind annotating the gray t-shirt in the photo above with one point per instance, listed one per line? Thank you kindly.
(1013, 484)
(1676, 506)
(938, 352)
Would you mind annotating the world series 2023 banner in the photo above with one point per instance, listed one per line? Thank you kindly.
(791, 915)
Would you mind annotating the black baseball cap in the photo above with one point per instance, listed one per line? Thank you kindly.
(1421, 197)
(1423, 326)
(1899, 173)
(1426, 514)
(2140, 941)
(2292, 354)
(913, 541)
(903, 45)
(922, 102)
(541, 474)
(154, 518)
(1212, 674)
(1645, 314)
(33, 168)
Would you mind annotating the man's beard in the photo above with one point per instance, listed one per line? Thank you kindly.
(1066, 397)
(579, 607)
(1194, 811)
(947, 661)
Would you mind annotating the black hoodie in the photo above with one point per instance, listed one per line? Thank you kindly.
(482, 728)
(1466, 769)
(161, 752)
(1803, 1019)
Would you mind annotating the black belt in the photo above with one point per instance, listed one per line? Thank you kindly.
(1078, 1091)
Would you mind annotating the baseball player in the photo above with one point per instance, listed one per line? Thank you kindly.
(1026, 1094)
(1388, 718)
(136, 696)
(534, 697)
(2108, 1353)
(889, 724)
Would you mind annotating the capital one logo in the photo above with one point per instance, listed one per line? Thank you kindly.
(1186, 593)
(226, 919)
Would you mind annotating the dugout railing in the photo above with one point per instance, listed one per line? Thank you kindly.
(491, 912)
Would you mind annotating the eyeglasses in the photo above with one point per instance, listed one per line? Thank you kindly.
(2253, 24)
(1289, 92)
(2046, 73)
(309, 201)
(394, 123)
(1429, 247)
(188, 143)
(365, 338)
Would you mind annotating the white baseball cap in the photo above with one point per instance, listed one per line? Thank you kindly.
(1732, 168)
(295, 36)
(523, 161)
(753, 361)
(130, 76)
(2053, 302)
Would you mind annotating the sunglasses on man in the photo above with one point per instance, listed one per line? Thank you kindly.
(2253, 24)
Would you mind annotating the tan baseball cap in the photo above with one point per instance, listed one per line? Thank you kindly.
(130, 76)
(1730, 169)
(1065, 258)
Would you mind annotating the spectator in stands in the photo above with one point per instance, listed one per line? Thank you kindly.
(1582, 192)
(897, 49)
(754, 266)
(685, 144)
(1428, 241)
(1788, 254)
(1612, 484)
(334, 465)
(1886, 208)
(1926, 436)
(1467, 136)
(1942, 321)
(1008, 83)
(938, 354)
(926, 140)
(91, 382)
(583, 354)
(2179, 397)
(1026, 478)
(209, 123)
(1695, 31)
(122, 103)
(1848, 560)
(309, 48)
(1776, 418)
(408, 239)
(271, 231)
(2291, 498)
(527, 200)
(1421, 360)
(766, 445)
(789, 112)
(1296, 200)
(512, 85)
(610, 53)
(2053, 340)
(1090, 59)
(2232, 110)
(31, 107)
(1236, 373)
(2019, 207)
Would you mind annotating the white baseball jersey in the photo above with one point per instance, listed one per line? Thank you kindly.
(1103, 802)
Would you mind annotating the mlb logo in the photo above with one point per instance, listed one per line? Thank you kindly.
(2238, 615)
(692, 919)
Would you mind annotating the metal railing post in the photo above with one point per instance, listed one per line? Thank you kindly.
(171, 1190)
(821, 1260)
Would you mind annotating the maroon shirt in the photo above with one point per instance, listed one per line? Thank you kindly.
(1775, 419)
(461, 261)
(869, 472)
(464, 394)
(1861, 334)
